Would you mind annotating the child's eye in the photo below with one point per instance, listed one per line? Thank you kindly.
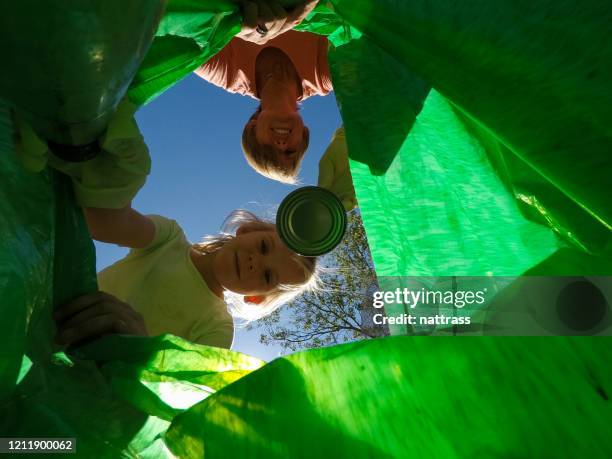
(264, 247)
(268, 276)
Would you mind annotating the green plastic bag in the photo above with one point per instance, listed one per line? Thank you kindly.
(530, 91)
(46, 256)
(440, 209)
(395, 397)
(189, 33)
(412, 397)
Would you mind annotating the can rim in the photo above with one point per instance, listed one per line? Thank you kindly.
(295, 241)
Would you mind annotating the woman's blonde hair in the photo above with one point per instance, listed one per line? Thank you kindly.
(264, 158)
(237, 305)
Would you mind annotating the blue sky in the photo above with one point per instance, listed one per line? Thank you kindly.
(199, 174)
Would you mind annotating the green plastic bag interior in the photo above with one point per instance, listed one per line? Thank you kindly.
(513, 131)
(67, 89)
(188, 35)
(457, 130)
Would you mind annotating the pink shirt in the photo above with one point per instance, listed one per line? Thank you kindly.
(233, 68)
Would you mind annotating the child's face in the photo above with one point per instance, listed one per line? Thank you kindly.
(256, 263)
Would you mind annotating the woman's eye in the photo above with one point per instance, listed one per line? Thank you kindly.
(264, 247)
(268, 277)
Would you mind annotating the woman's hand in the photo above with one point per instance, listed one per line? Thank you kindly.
(96, 314)
(264, 20)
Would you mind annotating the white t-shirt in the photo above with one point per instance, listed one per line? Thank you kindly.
(162, 283)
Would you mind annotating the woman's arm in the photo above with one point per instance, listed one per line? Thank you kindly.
(125, 227)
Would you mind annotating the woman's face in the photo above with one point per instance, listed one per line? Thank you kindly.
(256, 263)
(283, 131)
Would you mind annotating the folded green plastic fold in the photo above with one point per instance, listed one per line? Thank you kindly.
(523, 93)
(188, 35)
(412, 397)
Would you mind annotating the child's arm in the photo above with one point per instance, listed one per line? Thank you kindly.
(125, 227)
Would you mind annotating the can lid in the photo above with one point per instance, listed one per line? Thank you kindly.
(311, 221)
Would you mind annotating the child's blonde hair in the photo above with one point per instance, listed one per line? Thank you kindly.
(273, 300)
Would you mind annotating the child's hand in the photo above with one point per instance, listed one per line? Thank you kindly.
(96, 314)
(264, 20)
(334, 171)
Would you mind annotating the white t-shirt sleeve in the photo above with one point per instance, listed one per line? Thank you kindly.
(166, 232)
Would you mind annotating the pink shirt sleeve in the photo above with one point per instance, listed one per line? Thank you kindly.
(217, 69)
(233, 68)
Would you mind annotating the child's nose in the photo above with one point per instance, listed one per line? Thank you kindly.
(253, 263)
